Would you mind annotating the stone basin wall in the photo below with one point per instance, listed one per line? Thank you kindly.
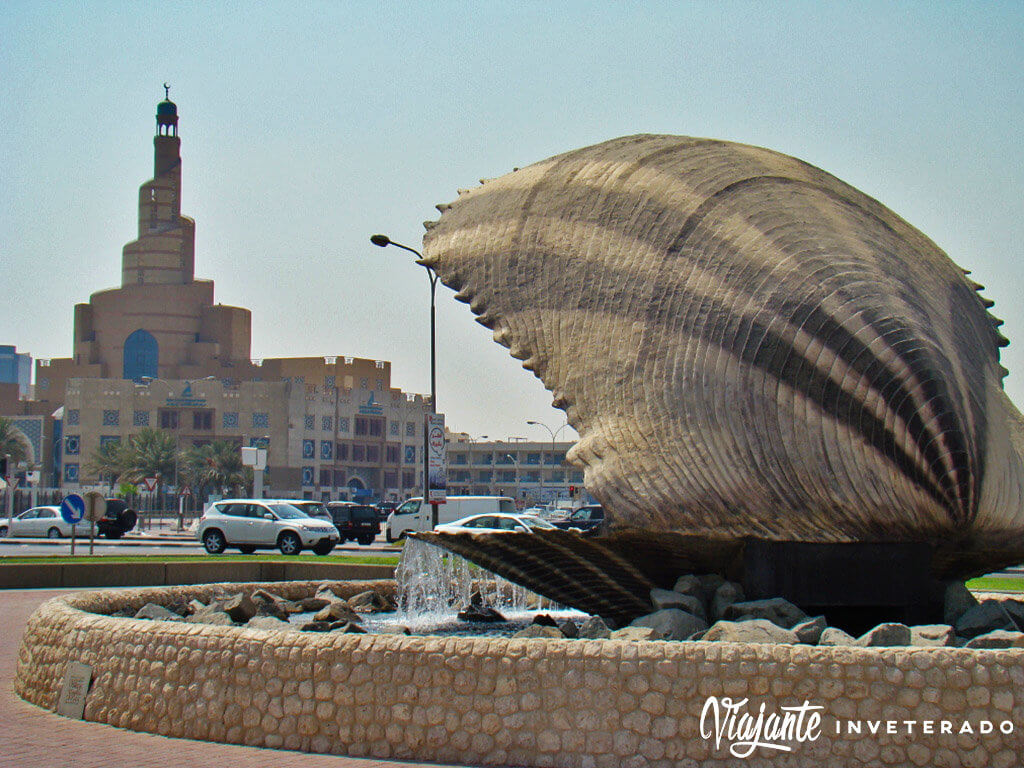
(530, 702)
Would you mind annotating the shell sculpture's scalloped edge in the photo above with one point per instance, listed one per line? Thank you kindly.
(747, 346)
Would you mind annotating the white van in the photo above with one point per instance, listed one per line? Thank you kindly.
(413, 516)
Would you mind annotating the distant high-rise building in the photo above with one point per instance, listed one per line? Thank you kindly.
(15, 368)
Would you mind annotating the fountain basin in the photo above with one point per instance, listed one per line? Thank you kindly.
(495, 701)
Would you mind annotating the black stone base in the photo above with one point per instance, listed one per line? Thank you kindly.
(855, 586)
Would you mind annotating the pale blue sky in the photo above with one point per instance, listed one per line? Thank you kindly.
(307, 127)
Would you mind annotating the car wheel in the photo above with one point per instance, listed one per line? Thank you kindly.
(247, 550)
(389, 537)
(3, 531)
(214, 542)
(323, 549)
(53, 533)
(364, 540)
(289, 543)
(114, 534)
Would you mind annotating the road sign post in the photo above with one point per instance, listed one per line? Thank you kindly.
(72, 509)
(95, 509)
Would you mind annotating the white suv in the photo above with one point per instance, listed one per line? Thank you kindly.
(252, 524)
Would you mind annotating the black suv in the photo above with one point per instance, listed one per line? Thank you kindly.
(355, 522)
(117, 520)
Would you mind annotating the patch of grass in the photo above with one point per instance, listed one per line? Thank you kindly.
(993, 583)
(116, 559)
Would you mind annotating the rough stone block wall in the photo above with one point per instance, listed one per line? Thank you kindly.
(505, 701)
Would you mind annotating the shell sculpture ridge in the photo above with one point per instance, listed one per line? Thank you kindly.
(747, 346)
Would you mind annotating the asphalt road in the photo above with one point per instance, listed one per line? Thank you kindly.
(153, 546)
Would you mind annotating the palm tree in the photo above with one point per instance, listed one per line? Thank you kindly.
(13, 442)
(151, 453)
(216, 466)
(111, 461)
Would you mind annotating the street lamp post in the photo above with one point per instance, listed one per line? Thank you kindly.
(383, 241)
(553, 433)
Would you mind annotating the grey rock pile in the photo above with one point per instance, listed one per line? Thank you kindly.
(262, 609)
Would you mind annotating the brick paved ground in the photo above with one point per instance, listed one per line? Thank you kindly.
(36, 738)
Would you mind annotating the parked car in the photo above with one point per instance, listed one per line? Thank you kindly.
(496, 523)
(252, 524)
(414, 515)
(40, 522)
(117, 521)
(355, 522)
(588, 519)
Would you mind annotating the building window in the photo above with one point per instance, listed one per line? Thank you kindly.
(373, 453)
(327, 423)
(558, 477)
(261, 420)
(485, 458)
(410, 429)
(358, 452)
(71, 473)
(44, 383)
(230, 419)
(408, 479)
(341, 451)
(310, 422)
(339, 478)
(485, 475)
(140, 419)
(576, 477)
(307, 475)
(325, 477)
(329, 381)
(459, 458)
(202, 420)
(554, 459)
(111, 418)
(308, 449)
(72, 444)
(507, 476)
(380, 385)
(259, 442)
(71, 418)
(168, 419)
(362, 383)
(343, 424)
(533, 458)
(106, 440)
(362, 427)
(506, 459)
(533, 476)
(391, 453)
(390, 479)
(326, 450)
(393, 429)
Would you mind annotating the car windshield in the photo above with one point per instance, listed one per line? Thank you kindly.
(287, 511)
(583, 513)
(314, 509)
(537, 522)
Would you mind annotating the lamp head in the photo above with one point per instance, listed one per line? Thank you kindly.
(380, 240)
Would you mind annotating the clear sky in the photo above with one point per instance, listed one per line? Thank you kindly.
(307, 127)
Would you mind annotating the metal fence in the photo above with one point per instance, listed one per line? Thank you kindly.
(155, 511)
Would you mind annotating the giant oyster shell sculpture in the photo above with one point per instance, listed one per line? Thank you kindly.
(747, 346)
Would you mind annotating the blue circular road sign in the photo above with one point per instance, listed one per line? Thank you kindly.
(72, 509)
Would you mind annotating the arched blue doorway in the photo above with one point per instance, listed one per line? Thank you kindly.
(140, 355)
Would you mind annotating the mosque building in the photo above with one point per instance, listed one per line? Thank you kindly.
(159, 352)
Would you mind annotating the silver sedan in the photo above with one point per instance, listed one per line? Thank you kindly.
(38, 522)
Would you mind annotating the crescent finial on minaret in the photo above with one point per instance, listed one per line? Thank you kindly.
(167, 91)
